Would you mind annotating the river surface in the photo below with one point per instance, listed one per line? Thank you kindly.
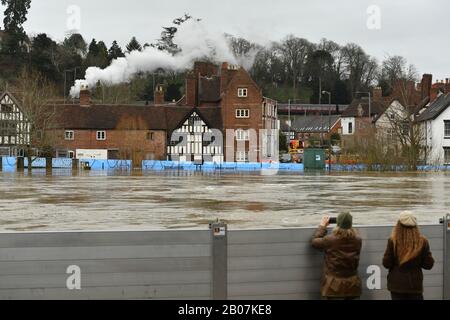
(170, 200)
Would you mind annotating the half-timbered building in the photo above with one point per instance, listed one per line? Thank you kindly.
(14, 127)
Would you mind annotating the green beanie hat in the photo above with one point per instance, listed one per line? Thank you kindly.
(345, 220)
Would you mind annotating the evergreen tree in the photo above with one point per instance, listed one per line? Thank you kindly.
(134, 45)
(75, 44)
(115, 51)
(93, 48)
(15, 16)
(13, 49)
(43, 56)
(102, 58)
(97, 55)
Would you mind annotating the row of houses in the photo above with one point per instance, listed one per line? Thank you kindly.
(424, 106)
(223, 116)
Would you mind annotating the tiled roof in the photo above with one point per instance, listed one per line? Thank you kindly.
(107, 117)
(310, 124)
(354, 109)
(436, 108)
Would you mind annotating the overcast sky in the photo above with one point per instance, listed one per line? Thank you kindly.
(415, 29)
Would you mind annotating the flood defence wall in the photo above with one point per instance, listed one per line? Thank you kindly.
(157, 165)
(10, 164)
(214, 263)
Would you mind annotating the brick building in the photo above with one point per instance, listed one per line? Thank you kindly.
(222, 117)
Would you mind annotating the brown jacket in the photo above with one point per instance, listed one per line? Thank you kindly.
(408, 277)
(340, 271)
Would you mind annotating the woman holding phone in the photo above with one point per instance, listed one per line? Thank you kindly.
(342, 249)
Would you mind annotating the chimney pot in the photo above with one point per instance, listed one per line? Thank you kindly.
(85, 96)
(377, 93)
(159, 94)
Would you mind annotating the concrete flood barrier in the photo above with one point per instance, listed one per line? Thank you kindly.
(193, 264)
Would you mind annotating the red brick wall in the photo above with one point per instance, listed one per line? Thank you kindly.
(123, 140)
(231, 102)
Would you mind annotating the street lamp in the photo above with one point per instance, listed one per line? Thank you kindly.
(289, 121)
(329, 128)
(74, 71)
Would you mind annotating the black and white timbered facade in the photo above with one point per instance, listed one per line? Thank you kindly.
(14, 127)
(194, 141)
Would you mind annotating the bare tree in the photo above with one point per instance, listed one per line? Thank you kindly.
(399, 80)
(294, 53)
(360, 68)
(398, 77)
(34, 93)
(335, 50)
(268, 66)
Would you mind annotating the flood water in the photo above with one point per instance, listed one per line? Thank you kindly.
(103, 201)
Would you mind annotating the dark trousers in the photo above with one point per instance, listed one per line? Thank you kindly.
(406, 296)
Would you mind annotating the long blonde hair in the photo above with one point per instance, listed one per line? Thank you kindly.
(345, 233)
(408, 242)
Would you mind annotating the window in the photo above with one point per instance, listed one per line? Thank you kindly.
(150, 135)
(405, 128)
(350, 127)
(242, 113)
(6, 108)
(447, 155)
(8, 128)
(101, 135)
(241, 156)
(447, 129)
(61, 153)
(69, 135)
(242, 92)
(242, 135)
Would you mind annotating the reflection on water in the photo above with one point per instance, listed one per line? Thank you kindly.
(98, 201)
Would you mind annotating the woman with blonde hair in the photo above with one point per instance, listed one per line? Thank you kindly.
(407, 253)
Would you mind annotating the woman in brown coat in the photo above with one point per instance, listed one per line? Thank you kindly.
(407, 253)
(342, 249)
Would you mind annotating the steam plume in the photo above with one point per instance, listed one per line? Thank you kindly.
(194, 39)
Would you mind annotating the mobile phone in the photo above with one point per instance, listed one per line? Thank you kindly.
(333, 220)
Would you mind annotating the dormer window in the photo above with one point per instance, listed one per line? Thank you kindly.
(242, 92)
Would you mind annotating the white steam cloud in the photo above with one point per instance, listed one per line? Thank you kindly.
(194, 39)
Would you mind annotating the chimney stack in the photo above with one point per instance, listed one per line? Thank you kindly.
(159, 95)
(377, 94)
(223, 76)
(191, 89)
(85, 96)
(427, 82)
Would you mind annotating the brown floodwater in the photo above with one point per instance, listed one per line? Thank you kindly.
(111, 201)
